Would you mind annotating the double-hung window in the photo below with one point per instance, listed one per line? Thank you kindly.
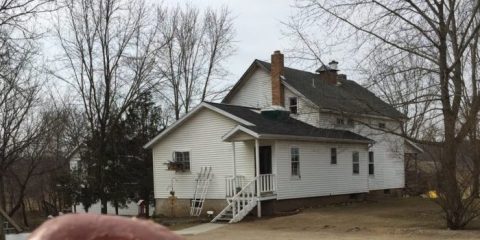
(356, 163)
(183, 159)
(333, 156)
(293, 105)
(295, 161)
(371, 163)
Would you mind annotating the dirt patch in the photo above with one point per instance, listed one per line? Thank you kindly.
(391, 218)
(180, 222)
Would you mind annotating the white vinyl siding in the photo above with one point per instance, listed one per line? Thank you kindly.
(388, 148)
(306, 111)
(202, 136)
(318, 176)
(256, 91)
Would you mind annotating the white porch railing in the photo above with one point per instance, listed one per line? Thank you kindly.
(268, 183)
(245, 196)
(233, 185)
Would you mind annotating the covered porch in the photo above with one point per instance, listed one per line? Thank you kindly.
(258, 177)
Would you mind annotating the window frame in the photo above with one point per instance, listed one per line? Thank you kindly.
(183, 153)
(295, 162)
(340, 121)
(355, 162)
(371, 163)
(333, 156)
(350, 122)
(290, 106)
(382, 125)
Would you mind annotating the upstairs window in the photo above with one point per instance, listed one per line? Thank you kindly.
(371, 163)
(293, 105)
(182, 159)
(350, 122)
(340, 121)
(295, 161)
(333, 156)
(381, 125)
(355, 163)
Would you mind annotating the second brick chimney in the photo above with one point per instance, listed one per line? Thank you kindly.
(276, 73)
(329, 73)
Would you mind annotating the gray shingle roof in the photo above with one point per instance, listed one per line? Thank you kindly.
(288, 126)
(347, 97)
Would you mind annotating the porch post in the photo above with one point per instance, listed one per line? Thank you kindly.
(234, 162)
(257, 170)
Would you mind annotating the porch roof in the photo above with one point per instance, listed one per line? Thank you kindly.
(287, 128)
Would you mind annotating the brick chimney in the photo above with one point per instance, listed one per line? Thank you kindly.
(276, 73)
(329, 73)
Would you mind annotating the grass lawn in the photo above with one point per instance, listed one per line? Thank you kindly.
(391, 218)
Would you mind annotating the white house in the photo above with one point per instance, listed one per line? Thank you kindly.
(280, 139)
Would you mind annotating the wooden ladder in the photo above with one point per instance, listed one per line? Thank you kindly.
(201, 189)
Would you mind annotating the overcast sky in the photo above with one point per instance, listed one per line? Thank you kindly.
(258, 29)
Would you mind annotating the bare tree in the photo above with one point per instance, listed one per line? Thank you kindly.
(199, 42)
(18, 95)
(108, 51)
(436, 38)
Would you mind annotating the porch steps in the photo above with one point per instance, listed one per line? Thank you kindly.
(239, 205)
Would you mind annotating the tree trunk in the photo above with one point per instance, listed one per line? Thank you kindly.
(24, 215)
(476, 171)
(104, 204)
(147, 208)
(476, 162)
(2, 206)
(116, 207)
(448, 187)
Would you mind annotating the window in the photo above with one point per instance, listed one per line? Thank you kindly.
(340, 121)
(293, 105)
(295, 159)
(371, 165)
(356, 163)
(381, 125)
(350, 122)
(182, 159)
(333, 156)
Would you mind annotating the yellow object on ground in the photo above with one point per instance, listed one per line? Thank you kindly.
(432, 194)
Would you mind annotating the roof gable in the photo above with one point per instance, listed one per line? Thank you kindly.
(246, 75)
(191, 114)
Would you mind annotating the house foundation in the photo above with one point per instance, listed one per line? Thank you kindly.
(178, 207)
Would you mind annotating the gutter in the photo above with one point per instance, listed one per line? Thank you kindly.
(308, 138)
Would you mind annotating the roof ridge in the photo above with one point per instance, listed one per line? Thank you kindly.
(291, 68)
(233, 105)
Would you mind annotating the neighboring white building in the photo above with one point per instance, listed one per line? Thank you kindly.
(280, 135)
